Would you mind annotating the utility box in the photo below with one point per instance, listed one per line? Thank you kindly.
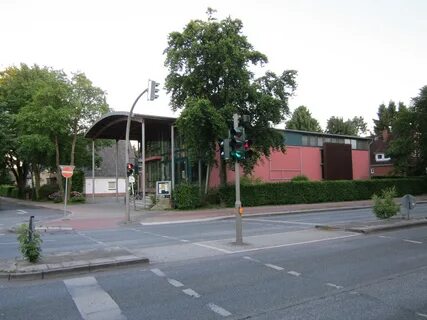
(163, 189)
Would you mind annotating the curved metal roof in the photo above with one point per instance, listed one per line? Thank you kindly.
(113, 126)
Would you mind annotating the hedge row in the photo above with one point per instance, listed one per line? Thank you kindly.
(318, 191)
(8, 191)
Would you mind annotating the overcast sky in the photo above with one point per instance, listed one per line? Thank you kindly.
(351, 55)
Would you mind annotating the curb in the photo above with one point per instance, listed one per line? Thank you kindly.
(40, 275)
(367, 230)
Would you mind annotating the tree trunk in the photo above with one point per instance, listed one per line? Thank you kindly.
(36, 171)
(58, 169)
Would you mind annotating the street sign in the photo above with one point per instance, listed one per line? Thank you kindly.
(67, 171)
(408, 202)
(131, 179)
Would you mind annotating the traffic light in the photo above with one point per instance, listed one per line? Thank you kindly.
(224, 149)
(153, 90)
(129, 169)
(237, 142)
(247, 146)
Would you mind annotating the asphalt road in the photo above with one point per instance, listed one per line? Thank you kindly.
(286, 270)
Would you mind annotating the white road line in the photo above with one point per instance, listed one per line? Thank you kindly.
(283, 221)
(292, 244)
(91, 300)
(334, 286)
(219, 310)
(385, 237)
(251, 259)
(158, 272)
(191, 293)
(182, 221)
(412, 241)
(21, 212)
(421, 315)
(272, 266)
(170, 238)
(183, 240)
(175, 283)
(92, 239)
(294, 273)
(213, 248)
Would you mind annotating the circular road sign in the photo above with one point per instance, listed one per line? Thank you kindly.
(67, 171)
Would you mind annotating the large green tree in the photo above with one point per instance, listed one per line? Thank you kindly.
(44, 117)
(302, 120)
(352, 127)
(386, 116)
(209, 61)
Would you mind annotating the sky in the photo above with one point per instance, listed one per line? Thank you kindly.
(351, 55)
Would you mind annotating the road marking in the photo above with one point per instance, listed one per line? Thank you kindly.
(91, 300)
(191, 293)
(291, 244)
(334, 286)
(219, 310)
(421, 315)
(272, 266)
(1, 234)
(385, 237)
(412, 241)
(294, 273)
(213, 248)
(251, 259)
(283, 221)
(182, 221)
(21, 212)
(183, 240)
(175, 283)
(90, 238)
(158, 272)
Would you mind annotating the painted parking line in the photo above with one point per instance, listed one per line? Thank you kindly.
(175, 283)
(21, 212)
(91, 300)
(334, 285)
(412, 241)
(219, 310)
(158, 272)
(272, 266)
(191, 293)
(283, 222)
(294, 273)
(212, 247)
(421, 315)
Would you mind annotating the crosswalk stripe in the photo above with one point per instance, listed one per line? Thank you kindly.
(92, 301)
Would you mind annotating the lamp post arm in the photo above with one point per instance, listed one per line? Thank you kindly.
(127, 213)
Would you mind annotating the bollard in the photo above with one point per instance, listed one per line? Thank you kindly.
(31, 228)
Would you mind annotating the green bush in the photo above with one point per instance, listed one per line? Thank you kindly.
(384, 205)
(6, 190)
(78, 180)
(318, 191)
(30, 247)
(77, 197)
(300, 177)
(186, 196)
(46, 190)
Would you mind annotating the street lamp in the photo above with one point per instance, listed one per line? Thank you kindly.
(152, 89)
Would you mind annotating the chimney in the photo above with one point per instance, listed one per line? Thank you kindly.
(385, 135)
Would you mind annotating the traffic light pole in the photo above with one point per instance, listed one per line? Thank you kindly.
(127, 211)
(238, 203)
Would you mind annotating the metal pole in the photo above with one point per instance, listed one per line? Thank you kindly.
(237, 204)
(143, 162)
(173, 156)
(117, 170)
(65, 198)
(93, 170)
(127, 211)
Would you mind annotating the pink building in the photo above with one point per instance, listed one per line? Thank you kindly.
(318, 156)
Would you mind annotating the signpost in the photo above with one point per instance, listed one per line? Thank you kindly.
(67, 172)
(408, 202)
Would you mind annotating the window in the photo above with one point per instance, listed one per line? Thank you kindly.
(380, 157)
(111, 185)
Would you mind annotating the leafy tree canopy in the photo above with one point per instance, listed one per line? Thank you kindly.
(302, 120)
(351, 127)
(210, 61)
(386, 116)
